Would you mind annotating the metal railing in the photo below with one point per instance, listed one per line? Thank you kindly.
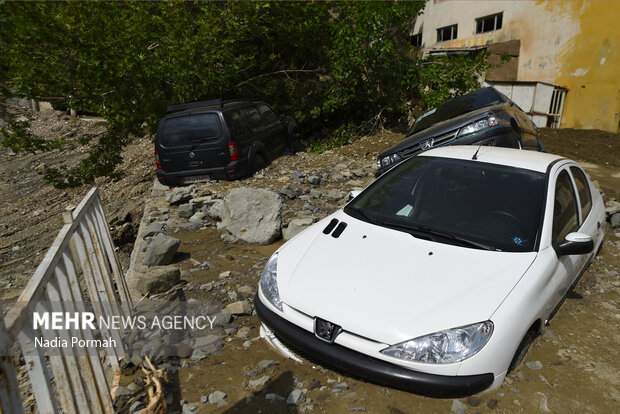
(81, 266)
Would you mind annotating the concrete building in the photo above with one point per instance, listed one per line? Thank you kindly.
(564, 67)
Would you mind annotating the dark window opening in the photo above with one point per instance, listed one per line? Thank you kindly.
(489, 23)
(416, 40)
(253, 117)
(447, 33)
(269, 117)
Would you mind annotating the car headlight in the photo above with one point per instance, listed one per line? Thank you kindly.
(269, 282)
(388, 159)
(479, 125)
(452, 345)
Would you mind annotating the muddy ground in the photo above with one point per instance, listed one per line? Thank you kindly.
(578, 353)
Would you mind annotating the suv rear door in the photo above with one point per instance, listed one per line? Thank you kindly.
(192, 141)
(275, 131)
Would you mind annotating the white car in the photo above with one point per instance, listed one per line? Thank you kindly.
(437, 277)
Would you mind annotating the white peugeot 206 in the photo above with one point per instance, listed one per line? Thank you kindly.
(438, 276)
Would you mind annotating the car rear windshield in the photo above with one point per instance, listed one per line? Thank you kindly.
(187, 129)
(469, 203)
(457, 106)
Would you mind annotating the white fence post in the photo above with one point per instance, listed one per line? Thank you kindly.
(83, 247)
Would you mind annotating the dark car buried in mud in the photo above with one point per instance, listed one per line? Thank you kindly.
(221, 139)
(481, 117)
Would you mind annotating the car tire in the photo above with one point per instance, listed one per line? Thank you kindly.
(524, 346)
(259, 163)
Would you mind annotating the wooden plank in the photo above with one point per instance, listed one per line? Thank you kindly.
(103, 391)
(10, 399)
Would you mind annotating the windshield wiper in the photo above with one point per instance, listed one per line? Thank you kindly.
(421, 230)
(195, 142)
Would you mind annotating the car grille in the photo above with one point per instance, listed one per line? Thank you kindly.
(436, 141)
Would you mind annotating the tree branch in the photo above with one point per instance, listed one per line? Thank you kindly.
(285, 72)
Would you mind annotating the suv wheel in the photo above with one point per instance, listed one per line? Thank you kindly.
(259, 163)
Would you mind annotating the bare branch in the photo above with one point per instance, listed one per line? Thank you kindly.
(285, 72)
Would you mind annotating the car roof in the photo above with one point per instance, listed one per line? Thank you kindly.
(529, 160)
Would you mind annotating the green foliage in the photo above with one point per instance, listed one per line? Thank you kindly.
(343, 135)
(444, 77)
(328, 64)
(16, 136)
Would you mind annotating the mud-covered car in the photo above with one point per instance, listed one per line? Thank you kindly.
(220, 138)
(481, 117)
(438, 276)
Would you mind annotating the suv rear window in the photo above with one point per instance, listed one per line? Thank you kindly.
(184, 130)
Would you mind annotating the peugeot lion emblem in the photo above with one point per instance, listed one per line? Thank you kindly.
(191, 154)
(325, 330)
(428, 144)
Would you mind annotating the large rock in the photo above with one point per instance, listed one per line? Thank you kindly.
(179, 195)
(153, 280)
(161, 250)
(249, 216)
(295, 227)
(186, 210)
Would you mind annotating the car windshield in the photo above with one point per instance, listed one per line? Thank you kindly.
(457, 106)
(187, 129)
(462, 202)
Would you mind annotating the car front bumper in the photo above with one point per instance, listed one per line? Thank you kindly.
(366, 367)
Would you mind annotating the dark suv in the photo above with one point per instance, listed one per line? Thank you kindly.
(221, 139)
(481, 117)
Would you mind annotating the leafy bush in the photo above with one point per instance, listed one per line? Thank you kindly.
(329, 64)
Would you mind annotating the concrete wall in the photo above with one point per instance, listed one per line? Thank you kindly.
(572, 44)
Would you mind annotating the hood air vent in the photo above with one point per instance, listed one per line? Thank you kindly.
(330, 226)
(339, 230)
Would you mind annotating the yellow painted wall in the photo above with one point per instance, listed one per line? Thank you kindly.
(590, 68)
(571, 43)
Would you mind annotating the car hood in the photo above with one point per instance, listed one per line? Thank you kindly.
(388, 286)
(441, 128)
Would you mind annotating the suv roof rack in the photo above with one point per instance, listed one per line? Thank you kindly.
(212, 102)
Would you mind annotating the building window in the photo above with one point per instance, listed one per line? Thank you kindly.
(489, 23)
(416, 40)
(446, 33)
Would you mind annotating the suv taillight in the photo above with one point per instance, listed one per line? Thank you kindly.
(234, 151)
(157, 163)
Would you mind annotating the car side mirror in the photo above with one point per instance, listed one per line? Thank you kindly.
(354, 194)
(575, 243)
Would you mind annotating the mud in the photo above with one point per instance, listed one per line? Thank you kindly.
(578, 352)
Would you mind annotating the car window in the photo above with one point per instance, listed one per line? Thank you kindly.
(565, 208)
(583, 189)
(253, 117)
(457, 106)
(269, 117)
(235, 122)
(184, 130)
(495, 205)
